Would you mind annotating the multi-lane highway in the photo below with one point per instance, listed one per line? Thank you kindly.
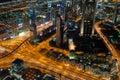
(115, 52)
(31, 55)
(16, 6)
(111, 47)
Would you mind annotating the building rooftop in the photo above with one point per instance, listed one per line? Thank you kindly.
(18, 62)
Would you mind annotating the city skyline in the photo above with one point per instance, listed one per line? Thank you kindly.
(60, 40)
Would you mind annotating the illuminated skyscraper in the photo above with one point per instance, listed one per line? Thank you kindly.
(33, 22)
(88, 17)
(59, 31)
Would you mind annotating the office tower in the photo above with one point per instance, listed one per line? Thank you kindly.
(59, 31)
(33, 22)
(116, 18)
(88, 17)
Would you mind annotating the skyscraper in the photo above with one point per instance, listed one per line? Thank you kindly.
(59, 31)
(116, 18)
(32, 21)
(88, 17)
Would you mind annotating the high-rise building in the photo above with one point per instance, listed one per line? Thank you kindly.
(59, 31)
(33, 22)
(88, 17)
(116, 18)
(17, 68)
